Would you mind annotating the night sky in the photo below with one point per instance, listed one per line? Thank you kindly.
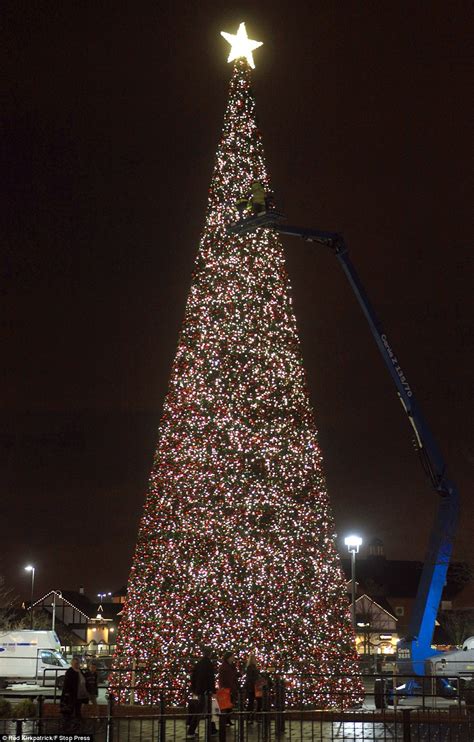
(111, 114)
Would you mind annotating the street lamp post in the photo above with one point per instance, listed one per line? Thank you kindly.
(101, 596)
(31, 569)
(353, 543)
(60, 595)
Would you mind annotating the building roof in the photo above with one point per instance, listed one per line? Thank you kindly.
(111, 610)
(382, 577)
(80, 601)
(379, 603)
(396, 578)
(83, 604)
(120, 593)
(72, 598)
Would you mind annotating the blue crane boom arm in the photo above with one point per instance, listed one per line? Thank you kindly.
(413, 650)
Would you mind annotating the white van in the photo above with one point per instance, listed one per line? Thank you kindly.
(455, 663)
(31, 657)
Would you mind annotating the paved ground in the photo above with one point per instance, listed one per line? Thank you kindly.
(371, 729)
(148, 730)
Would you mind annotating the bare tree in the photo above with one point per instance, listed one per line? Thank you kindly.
(458, 625)
(8, 611)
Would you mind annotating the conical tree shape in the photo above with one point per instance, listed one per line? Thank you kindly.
(236, 545)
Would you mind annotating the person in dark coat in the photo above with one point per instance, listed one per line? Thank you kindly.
(203, 683)
(92, 685)
(253, 682)
(74, 694)
(229, 678)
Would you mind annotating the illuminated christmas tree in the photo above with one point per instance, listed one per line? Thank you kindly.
(236, 545)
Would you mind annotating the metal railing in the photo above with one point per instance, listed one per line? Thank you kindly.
(163, 725)
(133, 685)
(420, 717)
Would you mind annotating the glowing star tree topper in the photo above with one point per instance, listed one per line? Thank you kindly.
(241, 45)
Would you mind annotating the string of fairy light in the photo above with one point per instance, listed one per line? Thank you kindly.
(236, 544)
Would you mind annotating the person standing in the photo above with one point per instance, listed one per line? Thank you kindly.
(92, 683)
(203, 684)
(253, 687)
(229, 680)
(258, 197)
(74, 694)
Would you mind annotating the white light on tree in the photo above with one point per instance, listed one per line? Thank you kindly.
(241, 45)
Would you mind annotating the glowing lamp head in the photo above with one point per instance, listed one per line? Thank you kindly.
(29, 568)
(353, 543)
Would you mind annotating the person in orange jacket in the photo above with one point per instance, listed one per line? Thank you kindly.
(229, 679)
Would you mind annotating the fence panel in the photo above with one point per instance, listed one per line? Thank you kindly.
(405, 725)
(422, 716)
